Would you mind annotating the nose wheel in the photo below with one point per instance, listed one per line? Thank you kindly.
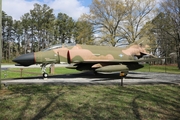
(45, 75)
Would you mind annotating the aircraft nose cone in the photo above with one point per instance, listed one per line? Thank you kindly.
(25, 60)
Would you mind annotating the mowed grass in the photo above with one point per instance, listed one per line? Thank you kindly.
(110, 102)
(32, 72)
(160, 68)
(131, 102)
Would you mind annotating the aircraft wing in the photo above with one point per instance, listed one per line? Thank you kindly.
(120, 61)
(141, 60)
(110, 65)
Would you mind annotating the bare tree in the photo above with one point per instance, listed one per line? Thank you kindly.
(117, 20)
(171, 8)
(139, 13)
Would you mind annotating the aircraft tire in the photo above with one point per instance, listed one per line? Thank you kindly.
(45, 75)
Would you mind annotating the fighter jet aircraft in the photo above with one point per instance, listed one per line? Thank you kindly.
(89, 57)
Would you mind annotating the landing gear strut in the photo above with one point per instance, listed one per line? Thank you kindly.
(43, 70)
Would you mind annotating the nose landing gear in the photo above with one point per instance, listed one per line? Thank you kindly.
(43, 70)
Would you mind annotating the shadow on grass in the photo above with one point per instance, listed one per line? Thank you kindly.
(93, 102)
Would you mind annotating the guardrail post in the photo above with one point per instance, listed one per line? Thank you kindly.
(21, 71)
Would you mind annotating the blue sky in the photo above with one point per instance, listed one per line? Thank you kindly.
(73, 8)
(83, 2)
(86, 2)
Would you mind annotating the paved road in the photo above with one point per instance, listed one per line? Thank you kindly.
(89, 78)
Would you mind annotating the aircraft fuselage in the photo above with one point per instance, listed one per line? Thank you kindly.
(88, 57)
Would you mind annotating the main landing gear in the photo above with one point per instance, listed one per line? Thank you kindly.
(43, 70)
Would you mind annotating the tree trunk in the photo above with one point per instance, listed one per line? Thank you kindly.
(178, 62)
(9, 52)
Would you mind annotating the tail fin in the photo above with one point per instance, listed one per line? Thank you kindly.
(142, 43)
(139, 48)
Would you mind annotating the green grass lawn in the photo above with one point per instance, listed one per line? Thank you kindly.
(110, 102)
(32, 72)
(160, 68)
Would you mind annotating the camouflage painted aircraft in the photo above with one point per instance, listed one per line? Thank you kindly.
(89, 57)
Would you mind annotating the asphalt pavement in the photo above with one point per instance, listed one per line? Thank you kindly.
(88, 78)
